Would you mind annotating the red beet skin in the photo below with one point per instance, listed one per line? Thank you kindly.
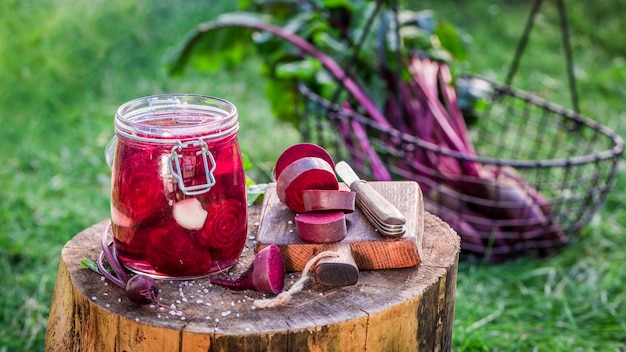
(301, 175)
(328, 200)
(265, 274)
(322, 227)
(299, 151)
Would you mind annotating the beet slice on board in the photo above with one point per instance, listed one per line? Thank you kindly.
(303, 174)
(299, 151)
(320, 227)
(328, 200)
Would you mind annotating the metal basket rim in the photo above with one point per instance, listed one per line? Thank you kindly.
(615, 151)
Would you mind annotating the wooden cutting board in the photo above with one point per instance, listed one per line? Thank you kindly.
(370, 250)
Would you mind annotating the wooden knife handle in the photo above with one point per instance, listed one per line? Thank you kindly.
(340, 271)
(386, 212)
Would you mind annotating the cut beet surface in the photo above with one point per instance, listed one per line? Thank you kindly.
(139, 189)
(301, 175)
(321, 227)
(224, 231)
(299, 151)
(328, 200)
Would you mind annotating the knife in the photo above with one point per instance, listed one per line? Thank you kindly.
(386, 217)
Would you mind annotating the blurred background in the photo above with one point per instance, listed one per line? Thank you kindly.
(66, 66)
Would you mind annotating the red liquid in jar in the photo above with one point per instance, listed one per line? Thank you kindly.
(147, 237)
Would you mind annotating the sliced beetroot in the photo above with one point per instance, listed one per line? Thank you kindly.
(299, 151)
(174, 251)
(138, 187)
(328, 200)
(301, 175)
(323, 227)
(265, 274)
(225, 229)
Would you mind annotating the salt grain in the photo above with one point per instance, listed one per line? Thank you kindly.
(226, 313)
(93, 298)
(102, 278)
(199, 301)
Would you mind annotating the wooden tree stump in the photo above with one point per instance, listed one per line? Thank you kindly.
(387, 310)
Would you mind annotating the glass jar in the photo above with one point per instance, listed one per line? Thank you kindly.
(178, 189)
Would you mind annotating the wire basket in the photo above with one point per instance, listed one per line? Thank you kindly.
(568, 164)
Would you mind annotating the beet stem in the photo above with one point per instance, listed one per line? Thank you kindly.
(106, 273)
(111, 258)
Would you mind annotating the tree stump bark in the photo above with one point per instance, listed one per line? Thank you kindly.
(387, 310)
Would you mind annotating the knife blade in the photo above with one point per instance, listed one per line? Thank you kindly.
(378, 206)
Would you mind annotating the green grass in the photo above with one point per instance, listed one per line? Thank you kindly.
(66, 66)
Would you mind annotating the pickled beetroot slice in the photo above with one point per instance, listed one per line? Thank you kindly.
(299, 151)
(301, 175)
(173, 251)
(225, 227)
(328, 200)
(139, 190)
(322, 227)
